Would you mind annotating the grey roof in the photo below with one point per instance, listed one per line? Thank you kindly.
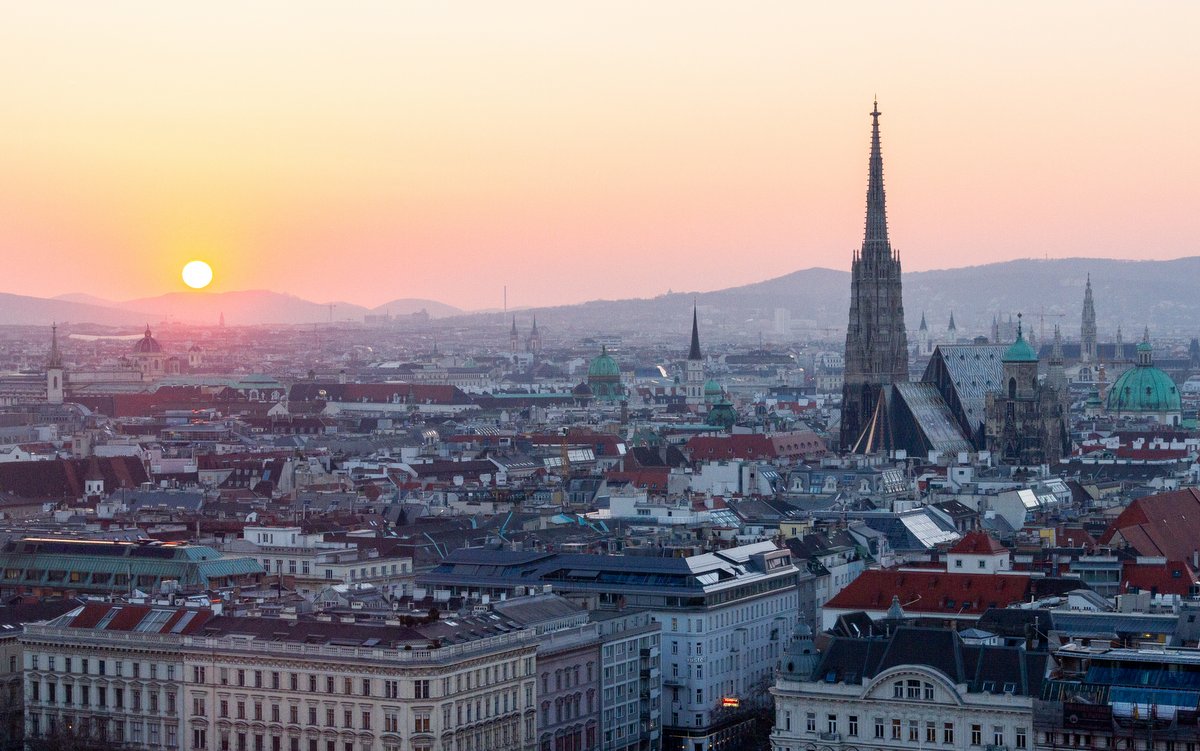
(974, 370)
(983, 668)
(933, 416)
(529, 611)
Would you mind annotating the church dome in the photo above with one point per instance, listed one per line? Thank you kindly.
(603, 366)
(1144, 388)
(712, 391)
(147, 345)
(1020, 350)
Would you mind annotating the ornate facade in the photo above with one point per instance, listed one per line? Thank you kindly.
(1026, 419)
(876, 343)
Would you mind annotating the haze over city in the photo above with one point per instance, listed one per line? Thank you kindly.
(573, 151)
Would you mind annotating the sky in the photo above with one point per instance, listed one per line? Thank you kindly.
(370, 151)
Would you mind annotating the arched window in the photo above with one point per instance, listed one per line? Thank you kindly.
(1012, 388)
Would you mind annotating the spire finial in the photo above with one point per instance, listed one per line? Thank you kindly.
(1019, 325)
(875, 242)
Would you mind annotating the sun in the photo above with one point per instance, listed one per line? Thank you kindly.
(197, 274)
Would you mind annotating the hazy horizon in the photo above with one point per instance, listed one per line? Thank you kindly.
(580, 151)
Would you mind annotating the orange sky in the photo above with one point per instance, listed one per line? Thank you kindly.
(373, 150)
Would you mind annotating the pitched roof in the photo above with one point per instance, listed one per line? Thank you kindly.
(932, 592)
(1166, 524)
(978, 543)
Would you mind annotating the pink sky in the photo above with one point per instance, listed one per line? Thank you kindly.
(371, 151)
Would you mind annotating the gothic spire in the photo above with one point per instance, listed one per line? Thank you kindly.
(923, 327)
(875, 240)
(514, 326)
(1056, 353)
(694, 352)
(952, 327)
(55, 360)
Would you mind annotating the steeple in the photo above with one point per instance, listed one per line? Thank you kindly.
(694, 352)
(876, 341)
(952, 328)
(875, 240)
(55, 361)
(923, 326)
(1087, 329)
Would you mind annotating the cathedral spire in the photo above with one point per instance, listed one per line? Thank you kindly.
(1056, 353)
(694, 352)
(55, 360)
(875, 240)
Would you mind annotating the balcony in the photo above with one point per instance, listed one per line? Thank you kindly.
(831, 736)
(992, 747)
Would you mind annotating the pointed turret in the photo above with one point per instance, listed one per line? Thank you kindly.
(694, 352)
(1056, 352)
(924, 326)
(952, 328)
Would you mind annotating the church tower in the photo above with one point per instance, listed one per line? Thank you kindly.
(693, 387)
(533, 344)
(513, 337)
(55, 387)
(1087, 330)
(923, 346)
(876, 343)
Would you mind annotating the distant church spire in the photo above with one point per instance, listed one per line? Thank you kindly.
(1056, 353)
(1087, 330)
(694, 352)
(923, 326)
(952, 328)
(55, 360)
(876, 342)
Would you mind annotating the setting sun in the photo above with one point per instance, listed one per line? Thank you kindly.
(197, 274)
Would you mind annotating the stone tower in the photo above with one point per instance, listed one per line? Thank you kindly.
(55, 388)
(876, 343)
(1087, 330)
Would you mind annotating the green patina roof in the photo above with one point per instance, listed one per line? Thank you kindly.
(1020, 351)
(1144, 388)
(603, 366)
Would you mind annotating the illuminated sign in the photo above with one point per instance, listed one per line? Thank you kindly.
(731, 702)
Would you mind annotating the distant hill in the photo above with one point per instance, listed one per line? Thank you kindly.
(1160, 294)
(22, 310)
(409, 305)
(247, 307)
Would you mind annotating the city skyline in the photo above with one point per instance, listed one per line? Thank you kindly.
(363, 156)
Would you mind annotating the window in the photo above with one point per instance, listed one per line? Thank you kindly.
(898, 690)
(421, 689)
(913, 731)
(976, 735)
(1020, 743)
(931, 732)
(895, 729)
(948, 732)
(852, 722)
(810, 722)
(878, 727)
(997, 735)
(421, 721)
(927, 691)
(831, 723)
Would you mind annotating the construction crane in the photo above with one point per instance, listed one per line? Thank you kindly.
(1042, 315)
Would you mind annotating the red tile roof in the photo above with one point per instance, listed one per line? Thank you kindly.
(717, 448)
(978, 543)
(1166, 524)
(932, 592)
(1174, 578)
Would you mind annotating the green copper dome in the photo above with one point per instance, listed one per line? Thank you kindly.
(603, 366)
(1144, 388)
(1020, 351)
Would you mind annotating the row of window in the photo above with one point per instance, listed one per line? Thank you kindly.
(114, 668)
(908, 730)
(69, 694)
